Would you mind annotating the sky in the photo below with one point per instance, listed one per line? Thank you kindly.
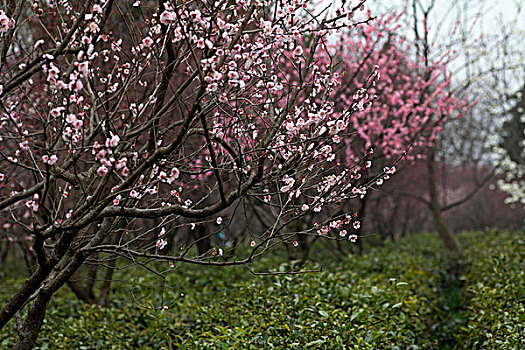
(484, 25)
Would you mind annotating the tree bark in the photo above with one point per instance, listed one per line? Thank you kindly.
(46, 281)
(299, 250)
(33, 322)
(448, 238)
(23, 294)
(62, 272)
(106, 287)
(83, 292)
(362, 207)
(4, 249)
(202, 239)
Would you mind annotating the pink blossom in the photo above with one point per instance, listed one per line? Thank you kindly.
(200, 43)
(175, 173)
(52, 159)
(78, 124)
(102, 170)
(71, 118)
(298, 51)
(5, 22)
(83, 68)
(161, 243)
(113, 141)
(38, 43)
(147, 41)
(55, 112)
(167, 17)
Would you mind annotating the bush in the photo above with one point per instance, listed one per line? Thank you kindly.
(386, 299)
(495, 278)
(392, 298)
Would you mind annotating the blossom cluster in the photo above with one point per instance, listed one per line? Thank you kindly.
(6, 22)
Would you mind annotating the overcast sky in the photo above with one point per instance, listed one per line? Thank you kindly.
(487, 19)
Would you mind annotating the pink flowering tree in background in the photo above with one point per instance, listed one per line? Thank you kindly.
(397, 119)
(412, 100)
(458, 173)
(125, 126)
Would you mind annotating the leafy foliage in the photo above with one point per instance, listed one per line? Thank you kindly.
(391, 298)
(380, 300)
(495, 277)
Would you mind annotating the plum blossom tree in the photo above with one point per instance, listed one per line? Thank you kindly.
(125, 124)
(413, 98)
(398, 117)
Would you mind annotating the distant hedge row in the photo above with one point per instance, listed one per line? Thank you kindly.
(389, 299)
(495, 289)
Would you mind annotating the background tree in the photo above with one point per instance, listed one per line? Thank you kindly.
(511, 158)
(399, 116)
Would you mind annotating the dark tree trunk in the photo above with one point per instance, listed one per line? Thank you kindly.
(30, 328)
(340, 248)
(299, 251)
(300, 245)
(50, 276)
(202, 239)
(82, 291)
(86, 291)
(22, 295)
(106, 286)
(362, 208)
(448, 238)
(29, 256)
(4, 249)
(33, 322)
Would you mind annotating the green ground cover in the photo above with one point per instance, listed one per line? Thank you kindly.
(494, 274)
(403, 295)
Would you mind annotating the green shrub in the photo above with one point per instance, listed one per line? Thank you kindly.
(391, 298)
(495, 278)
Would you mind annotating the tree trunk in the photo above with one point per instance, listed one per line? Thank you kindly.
(448, 238)
(202, 239)
(86, 291)
(30, 328)
(33, 322)
(4, 249)
(362, 208)
(46, 280)
(22, 295)
(106, 287)
(299, 249)
(83, 292)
